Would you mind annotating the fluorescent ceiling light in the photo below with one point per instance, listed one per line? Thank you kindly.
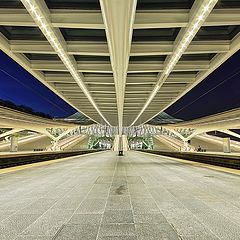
(189, 34)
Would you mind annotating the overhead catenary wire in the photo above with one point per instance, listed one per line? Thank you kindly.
(33, 90)
(210, 90)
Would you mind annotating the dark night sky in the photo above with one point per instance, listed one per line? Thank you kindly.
(18, 86)
(220, 91)
(21, 88)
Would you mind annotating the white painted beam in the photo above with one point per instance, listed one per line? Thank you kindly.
(101, 49)
(144, 19)
(231, 133)
(134, 67)
(157, 67)
(93, 67)
(77, 19)
(180, 18)
(220, 59)
(23, 62)
(118, 17)
(40, 14)
(14, 130)
(73, 48)
(166, 48)
(197, 16)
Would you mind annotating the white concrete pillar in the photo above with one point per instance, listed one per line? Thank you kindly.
(186, 146)
(14, 143)
(226, 145)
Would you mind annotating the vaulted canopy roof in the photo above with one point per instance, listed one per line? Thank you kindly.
(120, 62)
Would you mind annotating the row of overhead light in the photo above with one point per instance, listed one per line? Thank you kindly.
(190, 31)
(51, 36)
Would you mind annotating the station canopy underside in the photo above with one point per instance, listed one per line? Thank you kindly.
(124, 51)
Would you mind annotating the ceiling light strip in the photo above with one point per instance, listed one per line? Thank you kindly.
(49, 32)
(191, 30)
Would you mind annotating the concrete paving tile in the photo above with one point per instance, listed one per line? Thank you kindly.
(187, 225)
(92, 205)
(139, 191)
(33, 238)
(119, 180)
(68, 203)
(134, 180)
(150, 218)
(5, 214)
(118, 203)
(155, 232)
(98, 194)
(144, 205)
(49, 223)
(199, 237)
(119, 190)
(56, 193)
(104, 179)
(219, 225)
(117, 238)
(119, 183)
(99, 189)
(40, 206)
(120, 172)
(78, 232)
(16, 223)
(117, 216)
(85, 219)
(16, 204)
(117, 230)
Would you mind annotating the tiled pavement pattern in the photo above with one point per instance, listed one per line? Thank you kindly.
(106, 197)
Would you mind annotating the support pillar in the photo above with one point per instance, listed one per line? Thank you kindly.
(14, 143)
(226, 145)
(186, 147)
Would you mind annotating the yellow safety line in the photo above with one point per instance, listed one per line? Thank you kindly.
(44, 163)
(198, 164)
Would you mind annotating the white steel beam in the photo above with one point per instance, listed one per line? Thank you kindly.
(23, 62)
(118, 17)
(180, 18)
(157, 67)
(144, 19)
(134, 67)
(231, 133)
(93, 67)
(220, 59)
(14, 130)
(41, 16)
(198, 14)
(101, 49)
(72, 47)
(166, 48)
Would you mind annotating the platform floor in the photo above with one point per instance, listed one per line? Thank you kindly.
(106, 197)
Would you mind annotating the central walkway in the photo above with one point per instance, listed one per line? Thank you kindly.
(105, 197)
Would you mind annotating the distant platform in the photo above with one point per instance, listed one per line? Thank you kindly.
(229, 160)
(11, 159)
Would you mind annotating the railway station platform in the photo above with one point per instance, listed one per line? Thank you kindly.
(101, 196)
